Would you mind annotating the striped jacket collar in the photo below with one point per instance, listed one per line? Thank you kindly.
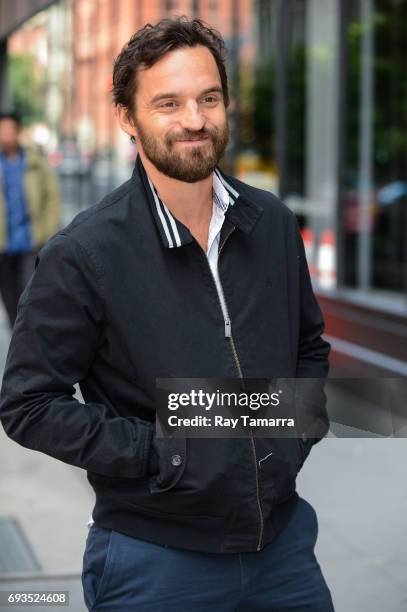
(239, 210)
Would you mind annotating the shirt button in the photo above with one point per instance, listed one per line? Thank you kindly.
(304, 437)
(176, 460)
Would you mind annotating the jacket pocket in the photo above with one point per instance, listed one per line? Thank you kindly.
(278, 462)
(172, 453)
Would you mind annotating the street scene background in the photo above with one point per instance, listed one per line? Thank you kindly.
(318, 117)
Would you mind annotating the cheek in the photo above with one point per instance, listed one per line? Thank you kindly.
(7, 135)
(160, 128)
(218, 121)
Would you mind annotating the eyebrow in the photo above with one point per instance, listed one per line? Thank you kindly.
(163, 96)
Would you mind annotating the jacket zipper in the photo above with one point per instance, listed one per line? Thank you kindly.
(228, 334)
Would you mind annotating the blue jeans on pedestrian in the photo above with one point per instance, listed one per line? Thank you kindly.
(122, 573)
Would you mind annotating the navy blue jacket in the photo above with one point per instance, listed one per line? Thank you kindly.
(124, 295)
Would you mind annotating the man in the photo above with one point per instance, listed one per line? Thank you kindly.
(181, 272)
(29, 210)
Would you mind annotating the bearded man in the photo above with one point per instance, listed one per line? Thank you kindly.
(181, 272)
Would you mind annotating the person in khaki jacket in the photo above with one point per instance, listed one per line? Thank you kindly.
(29, 210)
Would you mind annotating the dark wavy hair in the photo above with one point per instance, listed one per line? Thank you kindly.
(151, 42)
(13, 115)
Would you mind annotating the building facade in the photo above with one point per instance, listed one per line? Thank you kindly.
(338, 132)
(318, 92)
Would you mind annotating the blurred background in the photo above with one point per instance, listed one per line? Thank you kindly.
(319, 117)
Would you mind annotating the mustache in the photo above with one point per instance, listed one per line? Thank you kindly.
(193, 136)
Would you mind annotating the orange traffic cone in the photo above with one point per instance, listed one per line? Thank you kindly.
(326, 260)
(308, 239)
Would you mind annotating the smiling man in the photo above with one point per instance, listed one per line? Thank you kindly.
(181, 272)
(181, 128)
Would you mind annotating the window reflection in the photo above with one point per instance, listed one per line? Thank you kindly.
(329, 114)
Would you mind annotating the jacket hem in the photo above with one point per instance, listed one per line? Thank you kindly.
(207, 534)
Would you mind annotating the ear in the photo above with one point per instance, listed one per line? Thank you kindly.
(126, 125)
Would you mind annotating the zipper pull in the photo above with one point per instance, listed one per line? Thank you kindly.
(228, 329)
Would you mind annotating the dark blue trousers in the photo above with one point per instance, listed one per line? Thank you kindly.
(121, 573)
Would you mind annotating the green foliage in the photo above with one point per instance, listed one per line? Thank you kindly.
(27, 84)
(262, 98)
(390, 90)
(296, 123)
(263, 102)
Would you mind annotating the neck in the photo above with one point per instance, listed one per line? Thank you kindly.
(10, 151)
(190, 203)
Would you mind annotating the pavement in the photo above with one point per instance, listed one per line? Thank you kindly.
(357, 486)
(359, 490)
(51, 502)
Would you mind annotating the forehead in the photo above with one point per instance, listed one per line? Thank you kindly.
(8, 124)
(173, 72)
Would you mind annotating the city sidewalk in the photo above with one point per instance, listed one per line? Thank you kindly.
(359, 489)
(51, 502)
(357, 486)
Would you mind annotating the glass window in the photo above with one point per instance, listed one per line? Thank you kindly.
(375, 189)
(330, 115)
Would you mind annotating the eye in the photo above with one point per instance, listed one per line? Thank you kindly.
(166, 105)
(213, 98)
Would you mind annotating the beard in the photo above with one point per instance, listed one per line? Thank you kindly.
(188, 163)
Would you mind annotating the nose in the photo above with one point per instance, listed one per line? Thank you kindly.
(192, 118)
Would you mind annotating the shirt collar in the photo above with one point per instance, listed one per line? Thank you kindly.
(220, 193)
(174, 233)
